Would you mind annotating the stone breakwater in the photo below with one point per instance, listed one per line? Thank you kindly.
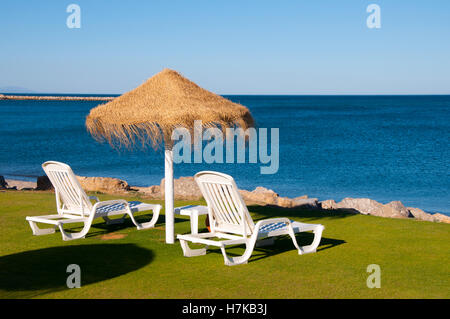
(56, 98)
(185, 188)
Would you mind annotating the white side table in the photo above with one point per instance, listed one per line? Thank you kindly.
(193, 212)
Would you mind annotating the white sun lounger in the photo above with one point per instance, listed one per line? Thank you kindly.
(231, 221)
(74, 206)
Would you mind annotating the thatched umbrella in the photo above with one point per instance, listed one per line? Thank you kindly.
(148, 115)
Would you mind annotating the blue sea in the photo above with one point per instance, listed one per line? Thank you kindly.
(382, 147)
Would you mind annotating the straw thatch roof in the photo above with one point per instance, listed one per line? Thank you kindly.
(149, 113)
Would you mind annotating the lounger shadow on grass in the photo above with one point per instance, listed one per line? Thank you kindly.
(281, 245)
(37, 272)
(301, 214)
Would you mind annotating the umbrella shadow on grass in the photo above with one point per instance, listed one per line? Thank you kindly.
(36, 272)
(281, 245)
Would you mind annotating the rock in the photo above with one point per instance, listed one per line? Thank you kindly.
(441, 218)
(3, 183)
(265, 195)
(395, 209)
(364, 206)
(419, 214)
(150, 192)
(44, 184)
(262, 195)
(302, 202)
(369, 206)
(103, 185)
(185, 188)
(20, 185)
(328, 204)
(285, 202)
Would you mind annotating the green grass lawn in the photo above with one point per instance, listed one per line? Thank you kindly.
(413, 256)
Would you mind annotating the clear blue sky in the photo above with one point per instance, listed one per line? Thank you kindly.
(229, 47)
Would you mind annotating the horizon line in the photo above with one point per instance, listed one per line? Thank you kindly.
(247, 94)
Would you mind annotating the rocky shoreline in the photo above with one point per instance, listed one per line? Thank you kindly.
(185, 188)
(56, 98)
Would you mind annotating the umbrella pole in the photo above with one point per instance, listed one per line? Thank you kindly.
(168, 191)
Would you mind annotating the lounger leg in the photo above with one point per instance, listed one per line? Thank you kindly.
(310, 248)
(72, 236)
(146, 225)
(194, 223)
(41, 231)
(189, 252)
(317, 237)
(233, 261)
(249, 246)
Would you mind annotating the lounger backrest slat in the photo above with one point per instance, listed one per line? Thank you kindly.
(70, 196)
(224, 205)
(219, 214)
(227, 209)
(65, 191)
(228, 203)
